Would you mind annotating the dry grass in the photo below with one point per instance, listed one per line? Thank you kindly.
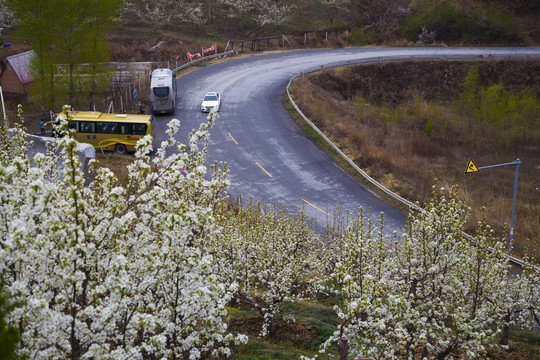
(407, 132)
(116, 163)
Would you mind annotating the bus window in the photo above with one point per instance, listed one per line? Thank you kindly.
(125, 128)
(161, 91)
(73, 124)
(103, 127)
(88, 127)
(114, 128)
(139, 129)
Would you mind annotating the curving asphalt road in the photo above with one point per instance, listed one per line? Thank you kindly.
(269, 157)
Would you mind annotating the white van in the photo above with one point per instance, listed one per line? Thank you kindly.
(162, 91)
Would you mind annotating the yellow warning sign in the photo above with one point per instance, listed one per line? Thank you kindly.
(471, 167)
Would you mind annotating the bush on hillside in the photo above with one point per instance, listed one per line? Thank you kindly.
(451, 22)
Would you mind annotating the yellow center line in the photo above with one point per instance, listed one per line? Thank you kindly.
(233, 139)
(267, 173)
(307, 202)
(233, 80)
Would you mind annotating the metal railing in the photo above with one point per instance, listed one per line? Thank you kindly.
(199, 60)
(256, 43)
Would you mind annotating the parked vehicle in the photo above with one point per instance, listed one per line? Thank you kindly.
(162, 91)
(115, 132)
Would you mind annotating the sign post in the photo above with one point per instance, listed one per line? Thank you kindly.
(472, 168)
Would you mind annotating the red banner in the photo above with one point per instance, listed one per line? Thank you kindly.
(191, 56)
(211, 48)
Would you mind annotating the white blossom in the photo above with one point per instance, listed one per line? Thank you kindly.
(112, 271)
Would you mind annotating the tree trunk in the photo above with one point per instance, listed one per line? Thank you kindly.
(271, 326)
(449, 350)
(506, 331)
(71, 85)
(343, 347)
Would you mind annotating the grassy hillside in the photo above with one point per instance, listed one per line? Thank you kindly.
(409, 123)
(355, 23)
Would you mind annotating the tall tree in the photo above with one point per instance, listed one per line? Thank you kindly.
(104, 15)
(6, 16)
(36, 24)
(262, 11)
(160, 13)
(383, 15)
(71, 26)
(334, 8)
(65, 34)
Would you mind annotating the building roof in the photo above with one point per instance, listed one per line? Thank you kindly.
(20, 63)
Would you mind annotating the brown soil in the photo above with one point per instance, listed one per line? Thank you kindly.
(379, 114)
(297, 333)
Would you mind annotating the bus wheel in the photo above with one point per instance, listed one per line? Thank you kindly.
(120, 148)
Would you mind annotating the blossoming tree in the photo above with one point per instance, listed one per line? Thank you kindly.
(270, 254)
(430, 290)
(110, 271)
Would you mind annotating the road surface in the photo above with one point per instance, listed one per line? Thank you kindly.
(269, 157)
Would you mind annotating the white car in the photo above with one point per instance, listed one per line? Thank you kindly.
(210, 102)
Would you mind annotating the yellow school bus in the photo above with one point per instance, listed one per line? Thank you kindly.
(115, 132)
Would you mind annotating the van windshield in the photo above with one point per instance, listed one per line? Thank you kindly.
(161, 91)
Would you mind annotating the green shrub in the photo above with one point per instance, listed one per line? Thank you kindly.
(505, 109)
(360, 103)
(469, 99)
(492, 25)
(445, 19)
(252, 348)
(9, 336)
(450, 22)
(428, 126)
(499, 109)
(278, 355)
(359, 36)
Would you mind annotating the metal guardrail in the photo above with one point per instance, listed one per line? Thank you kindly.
(257, 41)
(183, 66)
(232, 51)
(393, 195)
(345, 157)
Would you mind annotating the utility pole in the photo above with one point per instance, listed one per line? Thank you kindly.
(472, 168)
(2, 45)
